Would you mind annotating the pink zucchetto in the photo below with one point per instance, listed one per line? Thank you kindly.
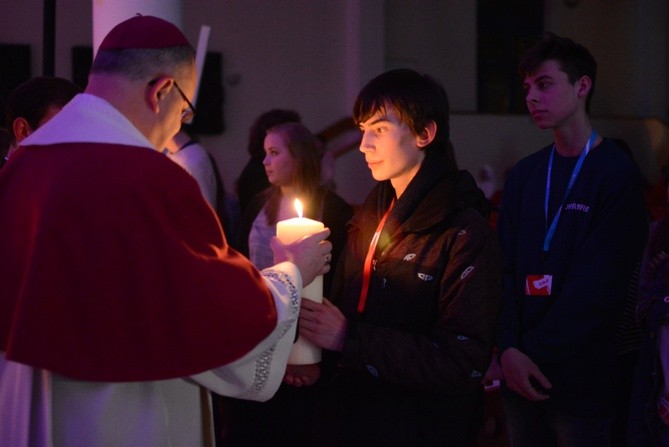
(144, 32)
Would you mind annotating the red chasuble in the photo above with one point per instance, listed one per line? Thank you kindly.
(114, 268)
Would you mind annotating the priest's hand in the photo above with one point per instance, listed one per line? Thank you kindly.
(323, 324)
(302, 375)
(311, 254)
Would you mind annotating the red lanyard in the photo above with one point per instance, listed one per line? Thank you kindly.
(367, 270)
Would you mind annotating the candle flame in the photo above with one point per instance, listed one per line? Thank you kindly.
(298, 207)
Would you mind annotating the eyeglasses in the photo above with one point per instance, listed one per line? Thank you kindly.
(187, 114)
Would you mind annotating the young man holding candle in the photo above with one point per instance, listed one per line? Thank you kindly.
(417, 292)
(121, 303)
(572, 227)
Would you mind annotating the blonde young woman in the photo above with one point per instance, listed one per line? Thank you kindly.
(292, 163)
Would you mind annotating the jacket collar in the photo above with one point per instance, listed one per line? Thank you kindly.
(450, 193)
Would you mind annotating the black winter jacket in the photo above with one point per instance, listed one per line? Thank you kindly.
(412, 363)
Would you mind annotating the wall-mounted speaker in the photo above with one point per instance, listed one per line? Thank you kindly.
(16, 70)
(82, 58)
(209, 118)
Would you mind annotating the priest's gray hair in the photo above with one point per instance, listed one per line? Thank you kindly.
(142, 63)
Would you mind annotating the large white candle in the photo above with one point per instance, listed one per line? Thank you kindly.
(289, 231)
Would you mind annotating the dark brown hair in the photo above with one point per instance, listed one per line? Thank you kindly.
(31, 100)
(302, 146)
(417, 98)
(264, 122)
(574, 59)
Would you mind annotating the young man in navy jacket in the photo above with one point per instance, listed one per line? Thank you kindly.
(572, 226)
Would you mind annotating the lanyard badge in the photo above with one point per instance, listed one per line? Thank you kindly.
(538, 285)
(550, 232)
(542, 285)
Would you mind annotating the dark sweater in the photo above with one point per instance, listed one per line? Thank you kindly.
(599, 238)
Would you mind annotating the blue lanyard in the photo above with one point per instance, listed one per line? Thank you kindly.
(551, 231)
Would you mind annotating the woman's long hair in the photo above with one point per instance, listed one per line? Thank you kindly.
(303, 147)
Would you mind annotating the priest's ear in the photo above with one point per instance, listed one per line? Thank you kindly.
(21, 129)
(426, 136)
(157, 89)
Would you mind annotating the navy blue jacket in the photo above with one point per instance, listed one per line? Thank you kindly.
(599, 239)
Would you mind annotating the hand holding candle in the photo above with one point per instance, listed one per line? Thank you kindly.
(289, 231)
(303, 242)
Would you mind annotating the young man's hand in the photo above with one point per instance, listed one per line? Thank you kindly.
(302, 375)
(323, 324)
(523, 376)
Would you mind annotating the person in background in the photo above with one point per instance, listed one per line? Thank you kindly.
(187, 152)
(5, 144)
(572, 225)
(121, 305)
(253, 178)
(486, 179)
(649, 408)
(33, 103)
(292, 163)
(411, 321)
(190, 155)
